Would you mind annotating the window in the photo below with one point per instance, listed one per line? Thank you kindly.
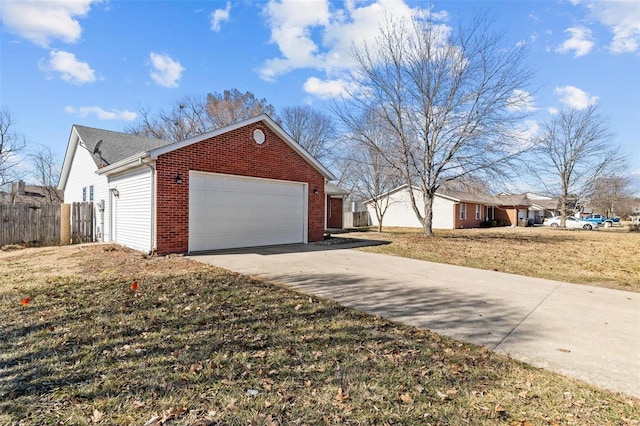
(490, 213)
(478, 214)
(463, 211)
(91, 193)
(84, 193)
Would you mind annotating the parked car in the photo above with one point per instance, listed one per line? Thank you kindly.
(602, 220)
(572, 223)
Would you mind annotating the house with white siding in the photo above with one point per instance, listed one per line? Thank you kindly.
(451, 209)
(247, 184)
(458, 209)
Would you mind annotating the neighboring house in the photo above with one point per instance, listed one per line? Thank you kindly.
(247, 184)
(458, 209)
(31, 194)
(451, 209)
(524, 209)
(335, 200)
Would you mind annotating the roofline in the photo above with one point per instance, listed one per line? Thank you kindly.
(406, 185)
(68, 158)
(275, 127)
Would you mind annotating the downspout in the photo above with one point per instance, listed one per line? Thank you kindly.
(152, 167)
(325, 210)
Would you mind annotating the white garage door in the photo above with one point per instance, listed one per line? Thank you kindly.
(231, 211)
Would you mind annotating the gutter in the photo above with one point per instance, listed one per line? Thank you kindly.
(123, 165)
(151, 164)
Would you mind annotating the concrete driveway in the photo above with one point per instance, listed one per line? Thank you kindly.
(589, 333)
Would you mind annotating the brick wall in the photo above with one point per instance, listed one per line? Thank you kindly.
(470, 220)
(235, 153)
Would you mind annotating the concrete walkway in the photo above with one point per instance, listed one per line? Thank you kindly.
(589, 333)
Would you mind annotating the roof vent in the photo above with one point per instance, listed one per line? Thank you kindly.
(258, 136)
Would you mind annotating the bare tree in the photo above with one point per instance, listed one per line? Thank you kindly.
(186, 118)
(450, 99)
(313, 130)
(609, 194)
(232, 106)
(574, 151)
(12, 144)
(46, 173)
(370, 173)
(191, 116)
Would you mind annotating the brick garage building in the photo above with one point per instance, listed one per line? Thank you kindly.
(248, 184)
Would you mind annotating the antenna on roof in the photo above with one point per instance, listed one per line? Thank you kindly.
(97, 147)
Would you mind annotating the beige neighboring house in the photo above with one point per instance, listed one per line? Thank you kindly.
(525, 209)
(22, 193)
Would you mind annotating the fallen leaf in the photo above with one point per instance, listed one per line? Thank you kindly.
(342, 395)
(406, 398)
(25, 301)
(232, 404)
(96, 416)
(298, 307)
(134, 285)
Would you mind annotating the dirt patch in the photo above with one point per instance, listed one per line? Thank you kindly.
(31, 267)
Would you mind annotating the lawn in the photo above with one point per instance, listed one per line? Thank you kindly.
(605, 258)
(190, 344)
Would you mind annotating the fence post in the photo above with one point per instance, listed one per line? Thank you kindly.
(65, 224)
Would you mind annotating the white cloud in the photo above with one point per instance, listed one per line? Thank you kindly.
(623, 19)
(521, 100)
(553, 110)
(166, 72)
(319, 35)
(523, 135)
(581, 41)
(43, 21)
(325, 89)
(69, 68)
(532, 39)
(574, 97)
(101, 113)
(219, 16)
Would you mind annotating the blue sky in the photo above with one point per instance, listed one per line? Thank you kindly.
(96, 63)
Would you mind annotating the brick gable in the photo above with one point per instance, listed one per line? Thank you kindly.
(234, 153)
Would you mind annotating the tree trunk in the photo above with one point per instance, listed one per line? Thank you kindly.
(427, 225)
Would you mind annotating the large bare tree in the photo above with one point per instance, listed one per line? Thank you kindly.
(191, 116)
(12, 144)
(451, 101)
(575, 149)
(312, 129)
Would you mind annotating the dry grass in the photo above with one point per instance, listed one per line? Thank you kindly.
(196, 345)
(605, 258)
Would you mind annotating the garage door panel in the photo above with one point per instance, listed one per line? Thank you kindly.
(232, 211)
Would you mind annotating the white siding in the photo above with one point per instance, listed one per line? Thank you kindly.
(82, 175)
(401, 214)
(132, 209)
(443, 213)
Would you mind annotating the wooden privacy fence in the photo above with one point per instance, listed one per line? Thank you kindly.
(47, 224)
(81, 223)
(356, 219)
(29, 224)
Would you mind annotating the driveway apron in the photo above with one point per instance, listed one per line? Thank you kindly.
(588, 333)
